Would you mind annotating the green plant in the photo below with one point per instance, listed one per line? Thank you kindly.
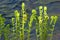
(24, 19)
(52, 23)
(13, 23)
(33, 17)
(6, 32)
(43, 24)
(17, 23)
(2, 24)
(17, 18)
(40, 18)
(45, 20)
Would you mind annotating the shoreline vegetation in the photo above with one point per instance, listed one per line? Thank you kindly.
(44, 25)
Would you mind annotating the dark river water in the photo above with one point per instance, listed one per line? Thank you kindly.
(7, 8)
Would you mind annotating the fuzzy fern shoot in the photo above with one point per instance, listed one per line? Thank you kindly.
(22, 25)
